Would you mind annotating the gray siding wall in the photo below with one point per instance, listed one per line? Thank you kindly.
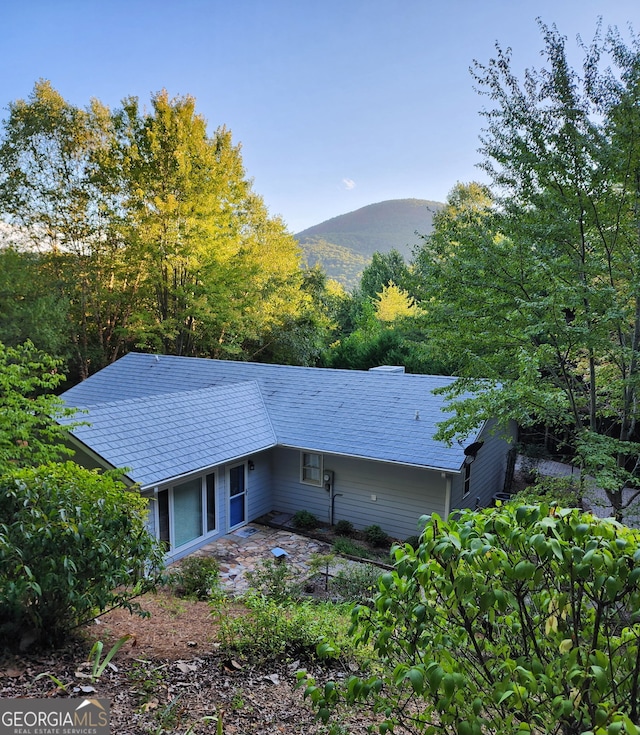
(259, 499)
(487, 471)
(392, 496)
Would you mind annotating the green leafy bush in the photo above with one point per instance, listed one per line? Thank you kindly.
(563, 491)
(356, 582)
(376, 536)
(304, 520)
(343, 528)
(349, 547)
(512, 619)
(275, 580)
(29, 432)
(196, 577)
(72, 542)
(272, 630)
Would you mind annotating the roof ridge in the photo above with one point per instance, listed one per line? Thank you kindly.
(297, 368)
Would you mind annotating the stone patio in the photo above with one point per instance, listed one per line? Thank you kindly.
(246, 548)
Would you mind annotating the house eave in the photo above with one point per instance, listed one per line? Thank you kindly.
(76, 443)
(416, 465)
(200, 470)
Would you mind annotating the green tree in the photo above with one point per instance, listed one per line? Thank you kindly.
(73, 542)
(217, 270)
(28, 304)
(515, 619)
(384, 269)
(147, 227)
(536, 285)
(301, 338)
(51, 191)
(29, 433)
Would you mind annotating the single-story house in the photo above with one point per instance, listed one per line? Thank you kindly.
(215, 444)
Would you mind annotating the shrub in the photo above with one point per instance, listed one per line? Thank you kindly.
(72, 542)
(343, 528)
(564, 491)
(275, 580)
(376, 536)
(509, 619)
(356, 582)
(304, 520)
(351, 548)
(271, 630)
(196, 577)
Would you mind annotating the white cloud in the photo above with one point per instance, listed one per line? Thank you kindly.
(349, 184)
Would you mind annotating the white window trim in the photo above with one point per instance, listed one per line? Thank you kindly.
(304, 481)
(203, 499)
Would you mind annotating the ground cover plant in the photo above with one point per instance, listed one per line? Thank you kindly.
(197, 577)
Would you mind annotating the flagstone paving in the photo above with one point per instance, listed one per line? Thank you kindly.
(246, 548)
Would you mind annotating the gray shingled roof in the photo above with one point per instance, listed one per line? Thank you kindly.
(167, 415)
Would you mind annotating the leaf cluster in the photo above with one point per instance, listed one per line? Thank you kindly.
(510, 619)
(73, 542)
(29, 433)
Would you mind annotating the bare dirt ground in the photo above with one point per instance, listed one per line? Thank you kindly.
(169, 677)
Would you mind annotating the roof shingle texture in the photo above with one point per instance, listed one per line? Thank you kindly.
(169, 415)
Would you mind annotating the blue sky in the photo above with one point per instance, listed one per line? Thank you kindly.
(337, 103)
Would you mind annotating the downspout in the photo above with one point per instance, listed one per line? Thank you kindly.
(333, 502)
(447, 494)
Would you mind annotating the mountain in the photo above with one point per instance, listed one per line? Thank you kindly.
(344, 245)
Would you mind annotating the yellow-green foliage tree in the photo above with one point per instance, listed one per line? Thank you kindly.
(148, 226)
(393, 302)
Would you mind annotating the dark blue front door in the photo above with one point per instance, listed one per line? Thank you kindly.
(237, 495)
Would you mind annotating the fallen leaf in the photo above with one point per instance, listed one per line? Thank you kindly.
(273, 678)
(82, 675)
(186, 668)
(148, 706)
(233, 665)
(11, 673)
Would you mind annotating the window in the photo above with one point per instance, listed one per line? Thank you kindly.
(211, 502)
(467, 479)
(311, 472)
(163, 517)
(187, 511)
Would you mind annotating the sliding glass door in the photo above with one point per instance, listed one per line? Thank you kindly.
(187, 511)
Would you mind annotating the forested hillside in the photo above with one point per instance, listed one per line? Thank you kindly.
(341, 263)
(343, 245)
